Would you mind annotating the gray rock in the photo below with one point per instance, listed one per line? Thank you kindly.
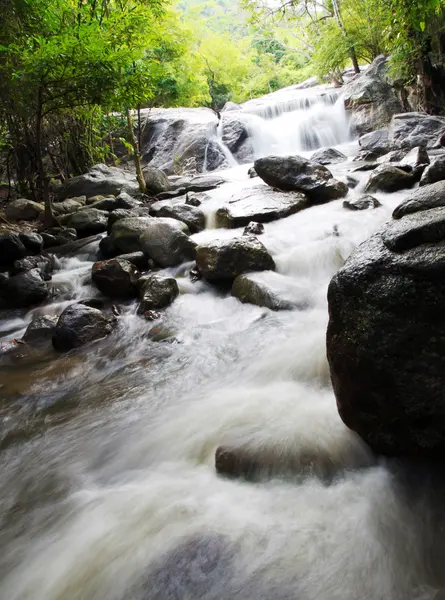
(44, 263)
(351, 182)
(115, 278)
(23, 290)
(424, 198)
(40, 330)
(385, 344)
(58, 236)
(389, 178)
(167, 243)
(79, 325)
(156, 292)
(371, 99)
(191, 216)
(87, 222)
(196, 198)
(260, 203)
(328, 156)
(23, 210)
(234, 132)
(126, 213)
(417, 159)
(100, 180)
(224, 260)
(125, 234)
(294, 173)
(376, 142)
(252, 173)
(155, 180)
(66, 207)
(394, 156)
(32, 241)
(253, 228)
(365, 202)
(123, 201)
(434, 172)
(271, 290)
(11, 248)
(138, 259)
(409, 130)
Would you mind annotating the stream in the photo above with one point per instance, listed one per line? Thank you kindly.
(108, 489)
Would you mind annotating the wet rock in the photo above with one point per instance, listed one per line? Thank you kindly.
(40, 330)
(122, 213)
(365, 202)
(156, 292)
(58, 236)
(224, 260)
(191, 216)
(234, 132)
(260, 203)
(375, 142)
(389, 178)
(294, 173)
(328, 156)
(79, 325)
(196, 198)
(86, 222)
(23, 290)
(23, 210)
(252, 173)
(44, 263)
(394, 156)
(155, 180)
(138, 259)
(409, 130)
(271, 290)
(417, 159)
(424, 198)
(389, 386)
(352, 182)
(115, 278)
(433, 172)
(152, 315)
(125, 234)
(100, 180)
(363, 168)
(370, 98)
(166, 242)
(195, 185)
(11, 248)
(253, 228)
(33, 242)
(66, 207)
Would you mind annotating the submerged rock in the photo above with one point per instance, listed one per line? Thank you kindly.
(156, 292)
(23, 210)
(328, 156)
(384, 342)
(271, 290)
(389, 178)
(424, 198)
(224, 260)
(23, 290)
(294, 173)
(365, 202)
(115, 278)
(79, 325)
(433, 172)
(260, 203)
(166, 242)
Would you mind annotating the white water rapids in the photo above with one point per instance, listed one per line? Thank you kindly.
(108, 489)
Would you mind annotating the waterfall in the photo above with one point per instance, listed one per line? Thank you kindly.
(215, 139)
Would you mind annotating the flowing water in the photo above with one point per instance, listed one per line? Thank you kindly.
(108, 489)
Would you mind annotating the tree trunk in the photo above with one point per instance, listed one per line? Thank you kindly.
(341, 25)
(136, 154)
(44, 194)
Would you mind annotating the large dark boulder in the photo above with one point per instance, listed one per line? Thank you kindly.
(428, 196)
(156, 292)
(166, 241)
(261, 204)
(434, 172)
(125, 234)
(224, 260)
(190, 215)
(115, 278)
(409, 130)
(11, 248)
(100, 180)
(23, 290)
(79, 325)
(32, 241)
(389, 178)
(294, 173)
(385, 340)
